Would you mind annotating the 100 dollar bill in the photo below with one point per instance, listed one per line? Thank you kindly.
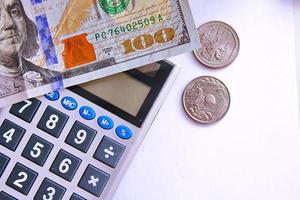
(51, 44)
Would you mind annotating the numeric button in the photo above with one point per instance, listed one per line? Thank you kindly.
(93, 180)
(4, 160)
(21, 178)
(26, 109)
(53, 121)
(81, 136)
(50, 190)
(65, 165)
(10, 134)
(37, 150)
(5, 196)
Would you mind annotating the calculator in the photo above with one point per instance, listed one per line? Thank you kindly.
(76, 144)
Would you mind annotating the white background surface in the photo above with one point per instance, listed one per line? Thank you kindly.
(254, 152)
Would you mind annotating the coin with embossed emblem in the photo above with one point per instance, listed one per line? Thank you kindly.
(206, 99)
(219, 44)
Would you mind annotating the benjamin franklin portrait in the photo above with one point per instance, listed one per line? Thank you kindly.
(18, 43)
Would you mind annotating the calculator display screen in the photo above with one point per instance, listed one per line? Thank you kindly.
(129, 95)
(121, 90)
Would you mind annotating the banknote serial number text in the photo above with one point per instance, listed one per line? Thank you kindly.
(142, 23)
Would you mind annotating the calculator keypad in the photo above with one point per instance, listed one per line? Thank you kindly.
(81, 136)
(5, 196)
(109, 152)
(21, 178)
(37, 150)
(50, 190)
(10, 134)
(53, 121)
(26, 109)
(93, 180)
(70, 144)
(4, 160)
(65, 165)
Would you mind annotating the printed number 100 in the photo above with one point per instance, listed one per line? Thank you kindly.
(146, 41)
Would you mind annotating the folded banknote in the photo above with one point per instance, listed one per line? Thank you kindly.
(47, 45)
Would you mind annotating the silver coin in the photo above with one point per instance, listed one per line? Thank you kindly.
(219, 44)
(206, 99)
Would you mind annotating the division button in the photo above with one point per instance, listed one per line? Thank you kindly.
(50, 190)
(10, 134)
(21, 178)
(93, 180)
(109, 152)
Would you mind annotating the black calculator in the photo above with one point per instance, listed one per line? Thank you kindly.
(76, 144)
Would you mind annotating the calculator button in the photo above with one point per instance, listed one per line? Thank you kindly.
(37, 150)
(52, 96)
(81, 136)
(109, 151)
(76, 197)
(124, 132)
(105, 122)
(4, 160)
(10, 134)
(53, 121)
(5, 196)
(69, 103)
(26, 109)
(87, 113)
(65, 165)
(21, 178)
(93, 180)
(50, 190)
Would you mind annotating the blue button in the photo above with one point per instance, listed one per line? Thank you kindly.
(52, 96)
(87, 112)
(124, 132)
(105, 122)
(69, 103)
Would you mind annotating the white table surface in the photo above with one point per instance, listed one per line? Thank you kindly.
(254, 152)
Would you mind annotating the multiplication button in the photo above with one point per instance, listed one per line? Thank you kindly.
(50, 190)
(81, 136)
(93, 180)
(4, 160)
(109, 151)
(37, 150)
(53, 121)
(65, 165)
(21, 178)
(10, 134)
